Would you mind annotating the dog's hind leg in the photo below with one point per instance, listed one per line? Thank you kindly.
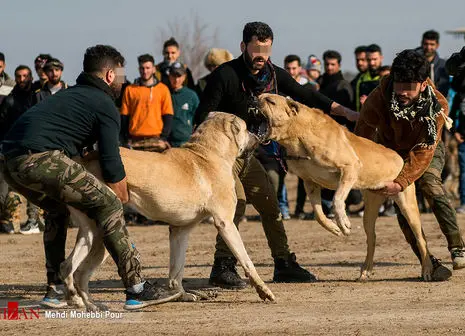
(348, 177)
(373, 202)
(80, 251)
(95, 258)
(232, 238)
(407, 203)
(314, 194)
(179, 240)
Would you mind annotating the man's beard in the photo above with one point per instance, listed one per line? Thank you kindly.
(54, 81)
(250, 63)
(409, 103)
(116, 89)
(25, 86)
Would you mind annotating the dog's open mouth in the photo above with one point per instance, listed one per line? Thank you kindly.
(257, 123)
(258, 126)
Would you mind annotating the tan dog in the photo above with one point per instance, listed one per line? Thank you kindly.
(325, 154)
(161, 187)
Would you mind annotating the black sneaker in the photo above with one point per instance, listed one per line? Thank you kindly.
(30, 227)
(224, 274)
(149, 296)
(440, 272)
(53, 298)
(7, 228)
(290, 271)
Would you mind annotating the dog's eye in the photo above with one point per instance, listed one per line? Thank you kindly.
(270, 101)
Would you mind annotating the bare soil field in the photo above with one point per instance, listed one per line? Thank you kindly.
(395, 302)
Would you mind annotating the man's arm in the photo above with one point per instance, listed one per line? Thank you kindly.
(166, 113)
(110, 160)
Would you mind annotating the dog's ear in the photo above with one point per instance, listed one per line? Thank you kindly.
(292, 104)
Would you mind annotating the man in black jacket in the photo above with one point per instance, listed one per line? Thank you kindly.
(455, 65)
(37, 163)
(230, 89)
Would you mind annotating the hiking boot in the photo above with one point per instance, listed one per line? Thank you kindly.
(224, 274)
(7, 228)
(440, 272)
(458, 258)
(149, 296)
(53, 298)
(290, 271)
(31, 227)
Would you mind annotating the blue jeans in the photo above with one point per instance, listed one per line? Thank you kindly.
(462, 173)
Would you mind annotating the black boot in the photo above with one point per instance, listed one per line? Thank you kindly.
(224, 274)
(290, 271)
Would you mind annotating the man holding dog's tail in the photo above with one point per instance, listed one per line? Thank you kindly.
(407, 113)
(230, 89)
(37, 163)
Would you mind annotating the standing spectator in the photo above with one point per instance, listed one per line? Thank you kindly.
(147, 109)
(185, 103)
(369, 80)
(333, 85)
(438, 72)
(171, 54)
(39, 63)
(313, 69)
(293, 66)
(6, 83)
(213, 59)
(456, 67)
(53, 69)
(18, 101)
(361, 63)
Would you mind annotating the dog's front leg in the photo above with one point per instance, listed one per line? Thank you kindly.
(230, 235)
(179, 239)
(373, 202)
(348, 177)
(314, 194)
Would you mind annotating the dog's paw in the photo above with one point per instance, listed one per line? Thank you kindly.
(188, 297)
(204, 294)
(93, 306)
(265, 293)
(364, 276)
(75, 301)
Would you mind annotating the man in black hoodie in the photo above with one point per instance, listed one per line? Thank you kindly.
(37, 162)
(231, 88)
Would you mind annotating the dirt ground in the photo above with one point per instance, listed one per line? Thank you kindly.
(395, 302)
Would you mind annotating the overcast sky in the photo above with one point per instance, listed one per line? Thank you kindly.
(66, 28)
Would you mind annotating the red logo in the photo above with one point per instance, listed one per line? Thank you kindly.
(15, 312)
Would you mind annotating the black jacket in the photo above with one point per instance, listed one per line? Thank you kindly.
(456, 66)
(71, 120)
(225, 91)
(338, 89)
(14, 105)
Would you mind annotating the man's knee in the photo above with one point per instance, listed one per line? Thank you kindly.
(431, 185)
